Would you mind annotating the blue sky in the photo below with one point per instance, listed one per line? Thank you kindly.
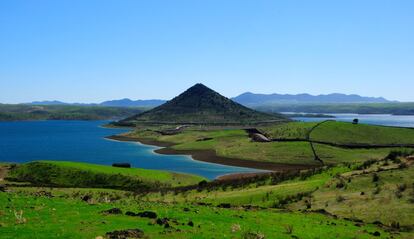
(90, 51)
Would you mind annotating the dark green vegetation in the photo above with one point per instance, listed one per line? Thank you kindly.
(63, 112)
(356, 108)
(321, 203)
(201, 105)
(83, 175)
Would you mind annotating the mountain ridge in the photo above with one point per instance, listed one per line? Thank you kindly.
(251, 99)
(247, 99)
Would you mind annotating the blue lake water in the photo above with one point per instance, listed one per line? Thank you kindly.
(375, 119)
(84, 141)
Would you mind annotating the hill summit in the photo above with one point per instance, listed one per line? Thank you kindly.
(202, 105)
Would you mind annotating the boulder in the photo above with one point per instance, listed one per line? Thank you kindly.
(121, 165)
(124, 234)
(112, 211)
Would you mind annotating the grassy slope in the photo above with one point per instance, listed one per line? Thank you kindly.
(75, 174)
(347, 133)
(291, 130)
(385, 201)
(267, 195)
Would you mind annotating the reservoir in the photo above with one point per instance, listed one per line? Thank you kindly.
(84, 141)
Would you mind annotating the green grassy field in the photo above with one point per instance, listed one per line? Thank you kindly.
(237, 144)
(72, 218)
(292, 130)
(73, 174)
(347, 133)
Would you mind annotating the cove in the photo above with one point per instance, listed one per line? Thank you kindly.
(84, 141)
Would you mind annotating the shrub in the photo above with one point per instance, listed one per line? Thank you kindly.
(252, 235)
(340, 198)
(376, 191)
(402, 187)
(375, 178)
(288, 229)
(340, 184)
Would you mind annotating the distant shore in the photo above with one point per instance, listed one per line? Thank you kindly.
(211, 157)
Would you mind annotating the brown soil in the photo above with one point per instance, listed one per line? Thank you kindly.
(211, 156)
(3, 172)
(238, 176)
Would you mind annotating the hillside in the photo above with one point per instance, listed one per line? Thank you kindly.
(81, 175)
(201, 105)
(63, 112)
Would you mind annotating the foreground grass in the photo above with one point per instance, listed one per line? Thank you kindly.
(253, 210)
(44, 217)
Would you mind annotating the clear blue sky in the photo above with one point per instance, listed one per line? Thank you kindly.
(90, 51)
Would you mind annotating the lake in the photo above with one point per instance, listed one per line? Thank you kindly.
(375, 119)
(84, 141)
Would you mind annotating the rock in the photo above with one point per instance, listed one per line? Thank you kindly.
(376, 234)
(204, 139)
(124, 234)
(112, 211)
(147, 214)
(43, 194)
(256, 137)
(162, 221)
(86, 198)
(132, 214)
(224, 205)
(121, 165)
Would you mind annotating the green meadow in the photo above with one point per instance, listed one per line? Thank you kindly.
(235, 143)
(353, 193)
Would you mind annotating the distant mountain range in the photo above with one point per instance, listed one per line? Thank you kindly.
(113, 103)
(251, 99)
(133, 103)
(247, 99)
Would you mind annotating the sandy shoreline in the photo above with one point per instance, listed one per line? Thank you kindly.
(211, 157)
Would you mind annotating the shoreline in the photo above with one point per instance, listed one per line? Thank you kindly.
(210, 156)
